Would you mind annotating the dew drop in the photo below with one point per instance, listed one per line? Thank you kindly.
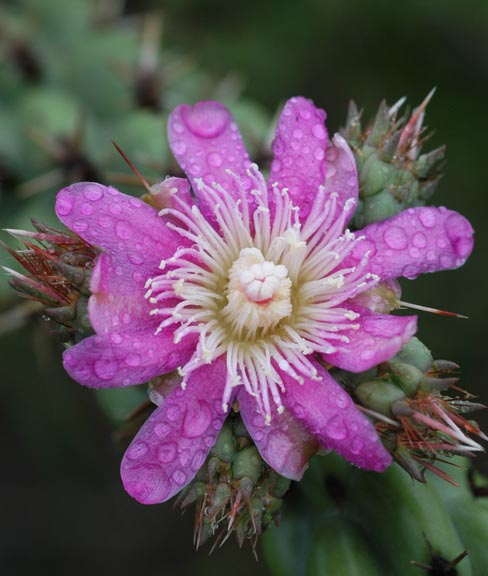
(197, 420)
(179, 477)
(419, 240)
(116, 338)
(336, 428)
(167, 452)
(80, 226)
(319, 132)
(104, 221)
(428, 217)
(173, 413)
(414, 253)
(179, 147)
(184, 458)
(123, 230)
(137, 450)
(115, 208)
(357, 445)
(214, 159)
(206, 119)
(319, 154)
(396, 238)
(133, 360)
(162, 429)
(87, 209)
(105, 369)
(64, 206)
(93, 192)
(197, 460)
(297, 133)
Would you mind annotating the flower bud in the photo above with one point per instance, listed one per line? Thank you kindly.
(379, 395)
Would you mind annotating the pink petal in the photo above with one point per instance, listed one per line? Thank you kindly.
(173, 443)
(285, 445)
(378, 338)
(299, 150)
(125, 358)
(134, 239)
(328, 412)
(206, 142)
(415, 241)
(342, 175)
(115, 304)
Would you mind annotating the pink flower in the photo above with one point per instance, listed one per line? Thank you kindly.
(247, 289)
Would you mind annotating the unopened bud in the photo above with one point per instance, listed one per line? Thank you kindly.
(379, 395)
(248, 463)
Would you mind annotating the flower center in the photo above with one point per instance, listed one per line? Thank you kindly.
(258, 294)
(258, 285)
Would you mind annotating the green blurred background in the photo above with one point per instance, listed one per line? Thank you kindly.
(76, 75)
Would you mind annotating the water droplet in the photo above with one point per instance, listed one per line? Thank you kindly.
(137, 450)
(396, 238)
(64, 205)
(179, 477)
(367, 354)
(162, 429)
(431, 256)
(206, 119)
(276, 165)
(258, 435)
(135, 202)
(357, 445)
(441, 243)
(214, 159)
(105, 368)
(197, 420)
(123, 230)
(179, 147)
(336, 428)
(116, 338)
(173, 413)
(319, 154)
(446, 261)
(278, 145)
(428, 217)
(197, 460)
(319, 132)
(167, 452)
(305, 113)
(178, 127)
(104, 221)
(419, 240)
(87, 209)
(414, 253)
(136, 259)
(133, 359)
(93, 192)
(184, 458)
(297, 133)
(410, 272)
(115, 208)
(80, 226)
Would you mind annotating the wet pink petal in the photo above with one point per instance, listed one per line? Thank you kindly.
(299, 150)
(342, 175)
(125, 358)
(134, 239)
(115, 304)
(378, 338)
(206, 142)
(415, 241)
(328, 412)
(173, 443)
(285, 444)
(125, 227)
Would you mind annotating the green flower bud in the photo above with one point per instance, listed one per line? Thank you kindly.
(408, 377)
(416, 354)
(374, 176)
(248, 463)
(225, 446)
(379, 395)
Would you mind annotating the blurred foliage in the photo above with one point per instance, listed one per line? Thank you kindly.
(76, 75)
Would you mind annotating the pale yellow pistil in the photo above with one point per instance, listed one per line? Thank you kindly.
(258, 294)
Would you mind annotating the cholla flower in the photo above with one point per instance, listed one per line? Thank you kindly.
(247, 288)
